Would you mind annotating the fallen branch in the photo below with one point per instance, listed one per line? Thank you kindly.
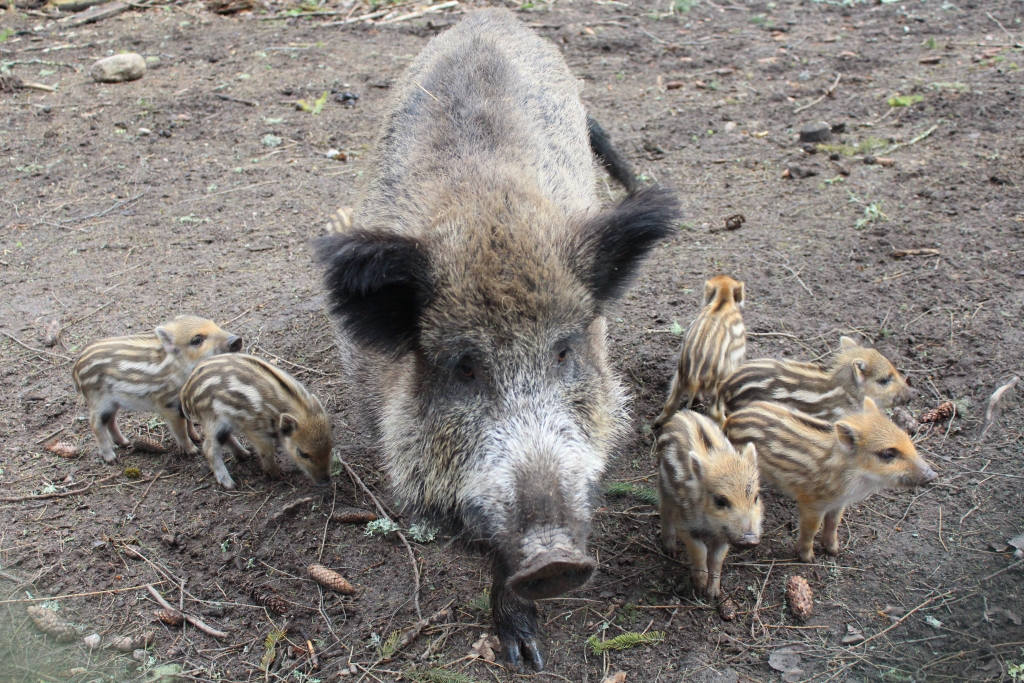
(900, 253)
(828, 93)
(42, 496)
(904, 618)
(993, 403)
(401, 536)
(912, 141)
(34, 350)
(195, 621)
(81, 595)
(231, 98)
(419, 13)
(143, 497)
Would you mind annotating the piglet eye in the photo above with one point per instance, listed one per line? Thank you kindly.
(197, 340)
(885, 380)
(303, 455)
(721, 502)
(887, 455)
(563, 355)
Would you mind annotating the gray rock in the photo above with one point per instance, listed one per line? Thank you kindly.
(815, 132)
(118, 68)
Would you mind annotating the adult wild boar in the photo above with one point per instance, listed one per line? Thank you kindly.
(471, 294)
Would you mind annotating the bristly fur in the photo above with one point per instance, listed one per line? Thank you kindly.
(829, 393)
(825, 466)
(471, 294)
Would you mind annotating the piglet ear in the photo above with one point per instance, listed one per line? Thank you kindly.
(847, 435)
(749, 452)
(166, 339)
(847, 343)
(739, 294)
(288, 425)
(609, 247)
(378, 284)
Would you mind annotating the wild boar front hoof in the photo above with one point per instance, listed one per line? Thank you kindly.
(805, 554)
(516, 651)
(551, 574)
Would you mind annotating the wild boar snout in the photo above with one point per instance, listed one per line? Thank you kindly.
(234, 344)
(555, 565)
(748, 540)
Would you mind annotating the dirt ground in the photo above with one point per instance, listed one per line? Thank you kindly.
(198, 188)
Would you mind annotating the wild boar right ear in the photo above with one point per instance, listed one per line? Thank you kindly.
(166, 339)
(609, 247)
(739, 294)
(750, 452)
(696, 465)
(847, 343)
(378, 284)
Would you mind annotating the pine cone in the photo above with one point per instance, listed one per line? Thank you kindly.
(171, 617)
(64, 449)
(130, 644)
(147, 444)
(49, 623)
(942, 413)
(727, 609)
(354, 516)
(331, 579)
(267, 597)
(800, 598)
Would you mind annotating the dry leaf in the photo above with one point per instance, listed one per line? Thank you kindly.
(617, 677)
(485, 647)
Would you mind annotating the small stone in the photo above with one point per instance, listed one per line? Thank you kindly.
(92, 642)
(353, 669)
(118, 68)
(870, 160)
(835, 156)
(165, 133)
(815, 132)
(144, 131)
(839, 128)
(337, 155)
(730, 126)
(347, 99)
(139, 655)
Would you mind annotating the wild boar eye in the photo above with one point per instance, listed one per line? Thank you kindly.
(197, 340)
(887, 455)
(563, 355)
(721, 502)
(885, 380)
(466, 370)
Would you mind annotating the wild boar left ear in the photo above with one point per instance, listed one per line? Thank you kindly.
(870, 406)
(739, 294)
(749, 452)
(378, 284)
(166, 339)
(288, 425)
(608, 249)
(847, 435)
(860, 371)
(696, 465)
(847, 343)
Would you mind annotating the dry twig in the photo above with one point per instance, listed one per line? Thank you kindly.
(41, 496)
(993, 403)
(195, 621)
(828, 93)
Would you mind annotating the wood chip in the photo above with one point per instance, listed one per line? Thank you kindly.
(902, 253)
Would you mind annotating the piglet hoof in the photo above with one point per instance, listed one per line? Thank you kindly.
(831, 549)
(226, 481)
(109, 458)
(806, 555)
(699, 579)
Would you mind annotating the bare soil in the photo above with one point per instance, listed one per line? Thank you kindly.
(198, 188)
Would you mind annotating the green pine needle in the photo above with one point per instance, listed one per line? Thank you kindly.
(625, 641)
(273, 638)
(642, 493)
(390, 646)
(436, 675)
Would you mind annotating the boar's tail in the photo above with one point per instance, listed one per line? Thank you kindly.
(616, 166)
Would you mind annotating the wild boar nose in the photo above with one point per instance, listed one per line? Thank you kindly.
(552, 573)
(235, 343)
(749, 540)
(928, 475)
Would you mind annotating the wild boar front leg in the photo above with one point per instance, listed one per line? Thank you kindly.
(176, 422)
(115, 432)
(515, 622)
(810, 521)
(671, 523)
(99, 419)
(698, 553)
(265, 448)
(830, 532)
(716, 559)
(213, 450)
(675, 397)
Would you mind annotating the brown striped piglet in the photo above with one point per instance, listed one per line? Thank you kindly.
(825, 467)
(247, 395)
(709, 496)
(145, 373)
(713, 346)
(829, 393)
